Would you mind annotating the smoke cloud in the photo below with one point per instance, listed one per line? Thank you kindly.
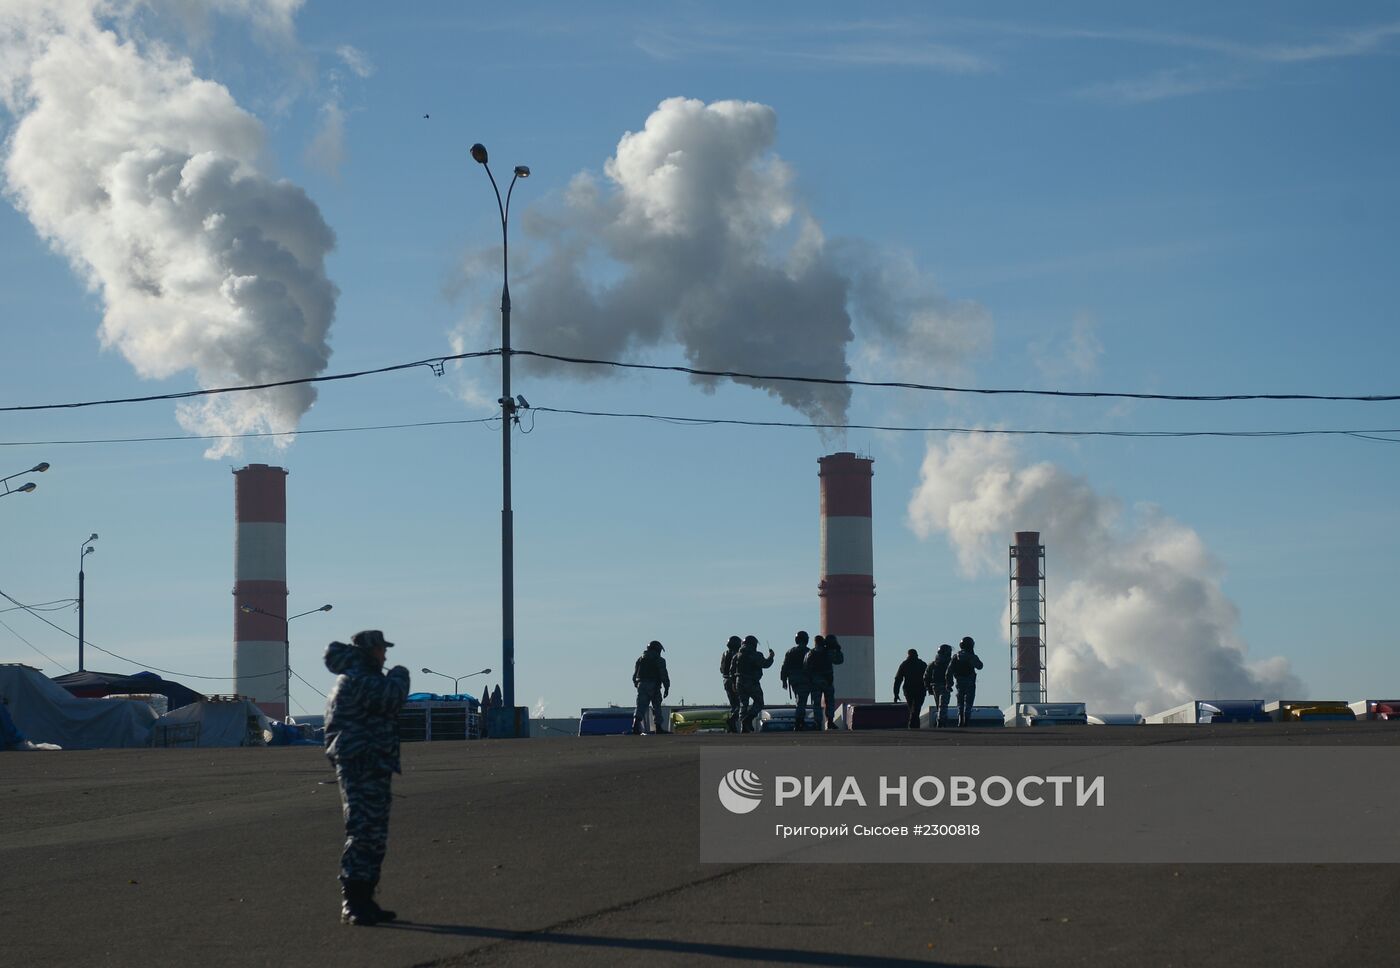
(700, 240)
(146, 177)
(1140, 619)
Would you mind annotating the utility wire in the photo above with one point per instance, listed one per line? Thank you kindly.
(307, 684)
(35, 647)
(707, 421)
(435, 363)
(266, 433)
(897, 384)
(90, 644)
(702, 421)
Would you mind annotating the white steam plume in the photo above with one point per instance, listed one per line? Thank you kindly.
(146, 178)
(698, 238)
(1139, 616)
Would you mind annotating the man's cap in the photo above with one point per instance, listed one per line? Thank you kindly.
(750, 640)
(369, 639)
(800, 638)
(967, 642)
(913, 652)
(945, 647)
(733, 641)
(656, 646)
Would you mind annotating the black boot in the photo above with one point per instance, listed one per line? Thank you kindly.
(355, 904)
(380, 914)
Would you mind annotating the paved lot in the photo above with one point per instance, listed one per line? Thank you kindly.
(584, 852)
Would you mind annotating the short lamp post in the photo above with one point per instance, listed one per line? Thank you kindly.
(286, 646)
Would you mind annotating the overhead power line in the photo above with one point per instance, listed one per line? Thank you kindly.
(1363, 434)
(92, 645)
(436, 364)
(901, 385)
(707, 421)
(265, 433)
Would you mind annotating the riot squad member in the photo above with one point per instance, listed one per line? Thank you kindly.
(939, 684)
(728, 669)
(911, 675)
(821, 677)
(653, 684)
(794, 677)
(749, 669)
(362, 743)
(963, 669)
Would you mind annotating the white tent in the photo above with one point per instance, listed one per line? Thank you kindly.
(45, 712)
(213, 722)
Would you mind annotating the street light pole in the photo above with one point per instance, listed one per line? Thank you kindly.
(508, 416)
(27, 488)
(456, 689)
(87, 550)
(286, 648)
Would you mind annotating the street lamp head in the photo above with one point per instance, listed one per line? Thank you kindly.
(522, 171)
(246, 609)
(40, 467)
(27, 488)
(430, 671)
(325, 608)
(93, 536)
(479, 153)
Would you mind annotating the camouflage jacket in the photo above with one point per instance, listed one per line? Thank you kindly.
(362, 715)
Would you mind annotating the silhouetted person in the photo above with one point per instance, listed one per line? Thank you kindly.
(794, 677)
(821, 676)
(653, 684)
(940, 684)
(750, 666)
(362, 742)
(729, 670)
(911, 676)
(963, 669)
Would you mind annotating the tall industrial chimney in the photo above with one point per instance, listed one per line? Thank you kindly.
(847, 586)
(260, 582)
(1028, 681)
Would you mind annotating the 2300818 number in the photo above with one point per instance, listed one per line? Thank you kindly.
(947, 830)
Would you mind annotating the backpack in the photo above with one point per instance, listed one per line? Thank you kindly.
(962, 665)
(726, 663)
(792, 662)
(649, 666)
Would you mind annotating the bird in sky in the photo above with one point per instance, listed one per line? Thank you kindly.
(425, 116)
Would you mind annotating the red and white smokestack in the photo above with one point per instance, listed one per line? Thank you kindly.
(1028, 680)
(260, 583)
(847, 587)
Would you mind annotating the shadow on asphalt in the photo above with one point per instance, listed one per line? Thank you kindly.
(751, 953)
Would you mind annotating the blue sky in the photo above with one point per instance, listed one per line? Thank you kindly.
(1089, 197)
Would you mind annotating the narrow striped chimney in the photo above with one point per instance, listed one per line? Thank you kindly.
(260, 582)
(1028, 680)
(847, 586)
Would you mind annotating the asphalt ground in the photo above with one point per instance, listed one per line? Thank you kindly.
(584, 851)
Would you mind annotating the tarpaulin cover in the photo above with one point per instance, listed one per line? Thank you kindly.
(220, 723)
(94, 685)
(47, 713)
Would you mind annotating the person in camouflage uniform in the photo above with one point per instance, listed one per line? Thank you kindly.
(362, 742)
